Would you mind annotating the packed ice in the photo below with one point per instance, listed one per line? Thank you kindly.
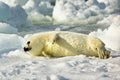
(15, 16)
(21, 18)
(7, 28)
(111, 35)
(84, 11)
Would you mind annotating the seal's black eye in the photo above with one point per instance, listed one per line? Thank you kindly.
(28, 42)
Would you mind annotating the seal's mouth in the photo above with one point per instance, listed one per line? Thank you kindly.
(27, 49)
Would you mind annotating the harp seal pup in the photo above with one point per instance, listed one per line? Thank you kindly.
(65, 43)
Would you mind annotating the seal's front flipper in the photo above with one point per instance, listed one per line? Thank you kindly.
(46, 55)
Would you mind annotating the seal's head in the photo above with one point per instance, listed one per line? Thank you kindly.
(28, 48)
(33, 46)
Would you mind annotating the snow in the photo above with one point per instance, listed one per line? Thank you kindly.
(10, 42)
(6, 28)
(111, 35)
(84, 12)
(77, 10)
(68, 68)
(15, 16)
(14, 2)
(39, 10)
(4, 12)
(15, 64)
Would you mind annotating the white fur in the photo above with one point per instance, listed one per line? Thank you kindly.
(64, 43)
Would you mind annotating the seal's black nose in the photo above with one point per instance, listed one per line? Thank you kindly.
(26, 49)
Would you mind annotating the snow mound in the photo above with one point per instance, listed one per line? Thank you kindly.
(5, 12)
(18, 17)
(111, 35)
(113, 6)
(107, 20)
(14, 2)
(63, 11)
(6, 28)
(39, 11)
(10, 42)
(15, 16)
(77, 11)
(84, 11)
